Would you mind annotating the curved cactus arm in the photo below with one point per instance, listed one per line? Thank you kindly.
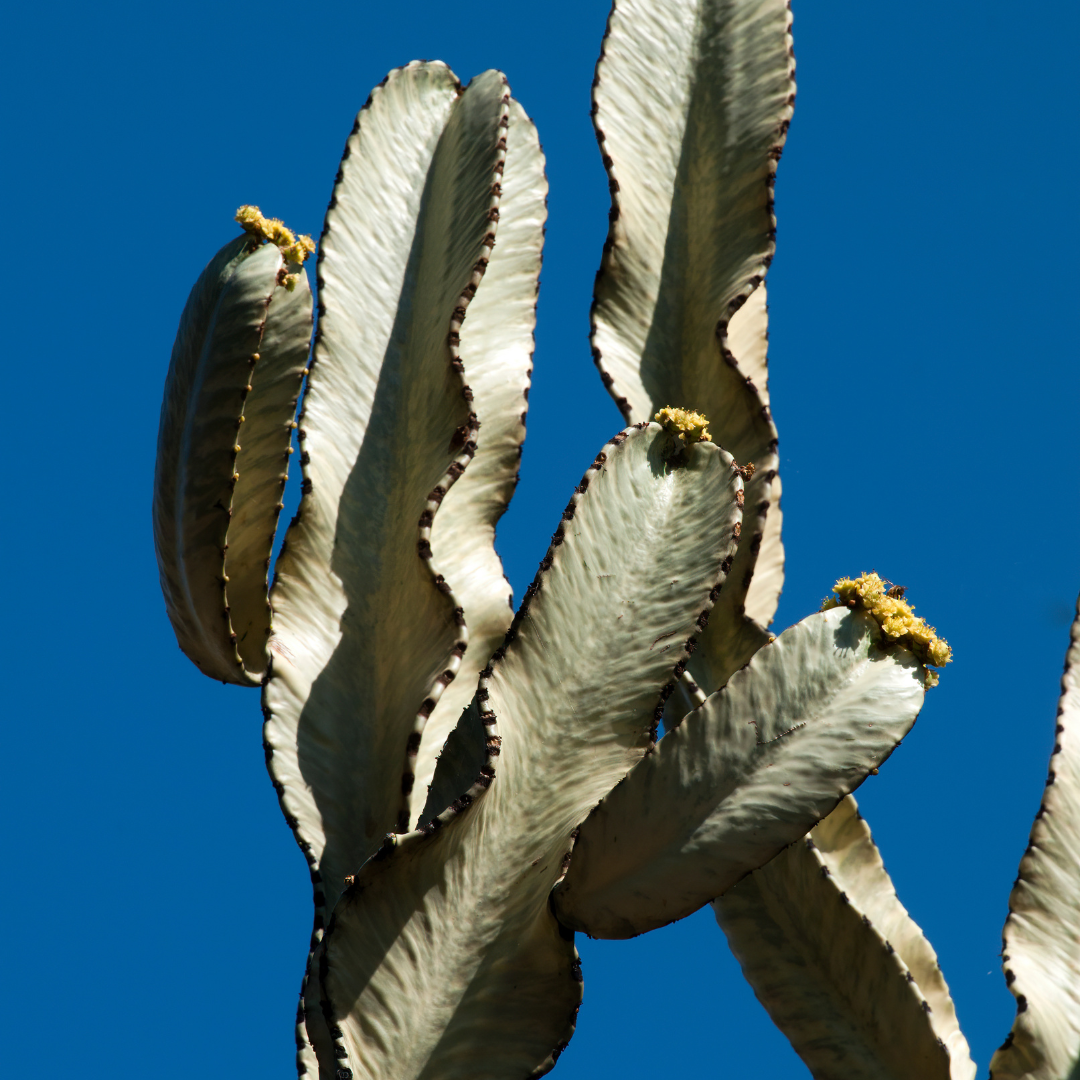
(839, 964)
(743, 776)
(223, 449)
(692, 102)
(1041, 940)
(496, 348)
(442, 958)
(846, 847)
(366, 631)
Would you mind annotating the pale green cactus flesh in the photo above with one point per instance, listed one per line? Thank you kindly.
(691, 104)
(223, 452)
(841, 967)
(1041, 940)
(743, 776)
(443, 958)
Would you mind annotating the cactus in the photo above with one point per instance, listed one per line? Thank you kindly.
(471, 786)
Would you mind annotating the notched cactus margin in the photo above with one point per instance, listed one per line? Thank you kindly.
(761, 570)
(446, 939)
(839, 964)
(465, 437)
(223, 451)
(1041, 939)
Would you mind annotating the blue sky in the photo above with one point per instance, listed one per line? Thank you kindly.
(924, 381)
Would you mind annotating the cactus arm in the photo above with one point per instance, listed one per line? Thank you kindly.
(442, 958)
(839, 964)
(1041, 939)
(230, 396)
(741, 777)
(366, 634)
(691, 104)
(496, 349)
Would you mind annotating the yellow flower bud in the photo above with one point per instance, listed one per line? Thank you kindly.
(896, 617)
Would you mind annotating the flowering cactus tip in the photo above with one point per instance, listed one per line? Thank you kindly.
(896, 617)
(294, 249)
(686, 426)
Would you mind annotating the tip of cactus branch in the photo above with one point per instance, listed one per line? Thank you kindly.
(295, 249)
(686, 426)
(896, 617)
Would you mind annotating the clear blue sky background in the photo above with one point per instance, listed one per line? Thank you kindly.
(924, 379)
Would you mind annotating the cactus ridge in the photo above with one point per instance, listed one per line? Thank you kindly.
(453, 664)
(496, 347)
(839, 964)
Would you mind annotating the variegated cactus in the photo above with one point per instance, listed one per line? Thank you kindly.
(471, 786)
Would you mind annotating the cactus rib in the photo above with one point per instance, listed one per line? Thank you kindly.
(368, 632)
(496, 350)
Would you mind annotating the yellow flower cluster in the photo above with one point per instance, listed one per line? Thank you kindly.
(896, 616)
(689, 427)
(295, 249)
